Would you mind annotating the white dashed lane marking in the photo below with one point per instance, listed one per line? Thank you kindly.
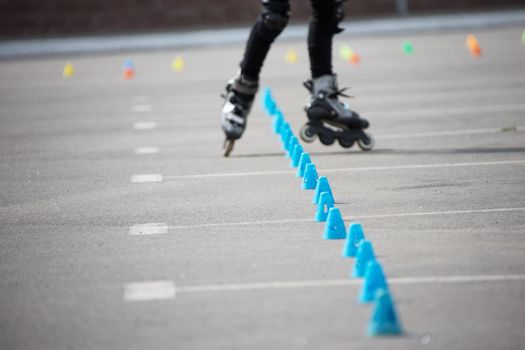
(145, 150)
(141, 108)
(148, 229)
(140, 126)
(152, 229)
(151, 290)
(141, 178)
(344, 170)
(162, 290)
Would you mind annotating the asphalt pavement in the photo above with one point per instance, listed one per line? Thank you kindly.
(123, 227)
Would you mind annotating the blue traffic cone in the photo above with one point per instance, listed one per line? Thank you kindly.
(285, 129)
(296, 155)
(374, 280)
(291, 144)
(287, 135)
(325, 203)
(384, 319)
(322, 186)
(353, 239)
(310, 177)
(277, 122)
(303, 162)
(365, 254)
(335, 226)
(269, 102)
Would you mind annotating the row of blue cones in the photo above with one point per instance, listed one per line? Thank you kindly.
(384, 320)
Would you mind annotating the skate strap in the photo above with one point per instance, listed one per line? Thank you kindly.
(246, 89)
(235, 118)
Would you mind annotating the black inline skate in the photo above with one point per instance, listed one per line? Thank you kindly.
(238, 100)
(329, 119)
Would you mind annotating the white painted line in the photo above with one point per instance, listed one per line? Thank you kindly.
(152, 290)
(141, 108)
(144, 126)
(148, 229)
(348, 282)
(449, 133)
(430, 213)
(349, 218)
(425, 166)
(141, 178)
(373, 168)
(458, 110)
(145, 150)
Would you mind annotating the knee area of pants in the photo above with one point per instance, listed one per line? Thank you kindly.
(275, 15)
(329, 13)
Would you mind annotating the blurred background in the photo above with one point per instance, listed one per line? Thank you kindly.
(51, 18)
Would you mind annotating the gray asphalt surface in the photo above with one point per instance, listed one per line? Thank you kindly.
(441, 197)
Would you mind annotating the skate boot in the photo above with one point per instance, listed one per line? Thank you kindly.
(329, 119)
(238, 100)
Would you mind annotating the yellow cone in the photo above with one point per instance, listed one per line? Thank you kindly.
(68, 71)
(346, 52)
(177, 64)
(291, 57)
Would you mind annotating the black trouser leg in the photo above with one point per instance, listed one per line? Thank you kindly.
(266, 29)
(326, 15)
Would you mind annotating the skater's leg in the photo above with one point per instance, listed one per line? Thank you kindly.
(328, 118)
(272, 21)
(326, 16)
(240, 91)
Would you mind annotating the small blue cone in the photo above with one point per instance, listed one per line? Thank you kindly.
(304, 160)
(384, 319)
(322, 186)
(365, 254)
(310, 177)
(284, 129)
(353, 239)
(269, 102)
(374, 280)
(335, 226)
(277, 122)
(288, 134)
(325, 203)
(296, 155)
(128, 64)
(291, 144)
(266, 99)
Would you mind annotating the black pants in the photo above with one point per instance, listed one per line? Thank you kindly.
(323, 26)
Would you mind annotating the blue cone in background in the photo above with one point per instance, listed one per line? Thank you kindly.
(365, 254)
(310, 177)
(285, 129)
(304, 160)
(384, 320)
(335, 226)
(374, 281)
(322, 186)
(269, 103)
(291, 144)
(325, 203)
(277, 122)
(296, 155)
(353, 239)
(128, 64)
(287, 135)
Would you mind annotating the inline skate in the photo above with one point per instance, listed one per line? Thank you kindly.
(238, 100)
(329, 119)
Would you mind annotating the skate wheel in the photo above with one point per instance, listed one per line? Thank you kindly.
(327, 139)
(306, 134)
(228, 147)
(368, 143)
(345, 142)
